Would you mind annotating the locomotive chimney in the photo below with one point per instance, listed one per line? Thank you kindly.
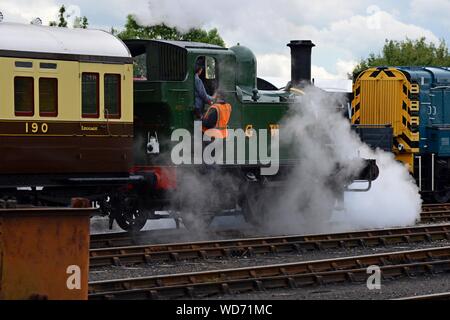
(300, 62)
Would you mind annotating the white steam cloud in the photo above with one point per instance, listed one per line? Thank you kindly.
(175, 13)
(393, 200)
(329, 152)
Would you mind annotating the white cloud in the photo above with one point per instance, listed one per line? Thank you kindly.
(344, 67)
(279, 66)
(236, 13)
(431, 11)
(344, 31)
(25, 11)
(321, 73)
(274, 65)
(342, 36)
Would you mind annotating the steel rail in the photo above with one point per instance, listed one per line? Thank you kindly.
(434, 296)
(265, 245)
(121, 239)
(436, 207)
(290, 275)
(435, 216)
(430, 213)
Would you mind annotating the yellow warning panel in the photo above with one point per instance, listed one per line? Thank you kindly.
(384, 96)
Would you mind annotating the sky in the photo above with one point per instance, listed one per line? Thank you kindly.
(343, 31)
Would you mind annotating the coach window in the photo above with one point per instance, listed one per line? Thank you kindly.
(24, 96)
(112, 96)
(48, 97)
(90, 95)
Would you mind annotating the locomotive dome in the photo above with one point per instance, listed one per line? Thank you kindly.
(18, 37)
(246, 66)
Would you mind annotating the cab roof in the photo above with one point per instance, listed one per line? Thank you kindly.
(137, 46)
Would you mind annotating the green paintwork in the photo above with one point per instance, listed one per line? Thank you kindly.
(163, 106)
(245, 67)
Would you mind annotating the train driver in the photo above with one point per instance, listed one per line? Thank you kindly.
(215, 121)
(201, 96)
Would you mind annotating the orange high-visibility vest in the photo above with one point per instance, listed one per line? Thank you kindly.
(223, 116)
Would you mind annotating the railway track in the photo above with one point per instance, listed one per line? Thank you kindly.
(436, 207)
(290, 275)
(431, 213)
(264, 245)
(435, 296)
(436, 212)
(435, 216)
(122, 239)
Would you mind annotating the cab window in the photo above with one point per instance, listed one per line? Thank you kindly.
(24, 96)
(90, 95)
(209, 75)
(210, 68)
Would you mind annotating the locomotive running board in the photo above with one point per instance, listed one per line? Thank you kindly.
(369, 185)
(96, 181)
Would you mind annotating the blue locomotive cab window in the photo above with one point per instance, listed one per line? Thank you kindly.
(48, 97)
(24, 96)
(90, 95)
(112, 96)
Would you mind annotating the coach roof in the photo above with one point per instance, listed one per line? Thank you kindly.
(35, 41)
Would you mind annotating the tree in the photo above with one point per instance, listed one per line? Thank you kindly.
(79, 22)
(199, 35)
(407, 53)
(133, 30)
(62, 19)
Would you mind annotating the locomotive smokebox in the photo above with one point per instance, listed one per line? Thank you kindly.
(300, 62)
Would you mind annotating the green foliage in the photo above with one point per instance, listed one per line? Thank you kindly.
(62, 19)
(79, 22)
(407, 53)
(199, 35)
(133, 30)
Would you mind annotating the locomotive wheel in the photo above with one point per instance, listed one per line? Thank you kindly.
(128, 215)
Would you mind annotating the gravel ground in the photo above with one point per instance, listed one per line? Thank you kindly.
(114, 272)
(390, 289)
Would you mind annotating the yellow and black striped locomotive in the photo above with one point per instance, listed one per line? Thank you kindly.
(413, 102)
